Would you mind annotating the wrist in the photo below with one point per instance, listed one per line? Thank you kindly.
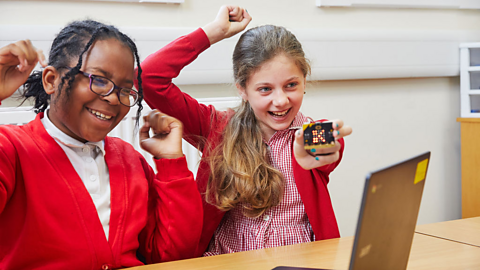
(169, 156)
(214, 33)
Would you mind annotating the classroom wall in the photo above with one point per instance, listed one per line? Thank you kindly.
(392, 119)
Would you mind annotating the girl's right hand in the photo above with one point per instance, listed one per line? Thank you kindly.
(230, 20)
(167, 139)
(17, 61)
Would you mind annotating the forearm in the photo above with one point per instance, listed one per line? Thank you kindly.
(174, 225)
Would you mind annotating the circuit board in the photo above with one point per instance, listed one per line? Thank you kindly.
(318, 135)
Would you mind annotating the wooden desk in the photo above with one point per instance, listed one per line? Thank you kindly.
(427, 253)
(465, 230)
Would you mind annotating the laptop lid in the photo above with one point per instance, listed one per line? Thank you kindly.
(388, 215)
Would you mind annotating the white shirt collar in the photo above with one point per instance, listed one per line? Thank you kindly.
(63, 138)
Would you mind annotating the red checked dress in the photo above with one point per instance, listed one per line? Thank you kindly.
(284, 224)
(304, 215)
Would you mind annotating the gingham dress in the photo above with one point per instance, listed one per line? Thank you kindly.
(284, 224)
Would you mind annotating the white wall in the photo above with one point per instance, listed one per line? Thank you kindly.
(392, 118)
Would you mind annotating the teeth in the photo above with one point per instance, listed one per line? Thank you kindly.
(280, 113)
(100, 115)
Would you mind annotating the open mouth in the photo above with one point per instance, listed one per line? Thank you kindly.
(280, 114)
(100, 115)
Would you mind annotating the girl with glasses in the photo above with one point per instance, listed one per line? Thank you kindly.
(260, 186)
(71, 197)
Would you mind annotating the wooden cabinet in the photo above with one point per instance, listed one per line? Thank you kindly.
(470, 137)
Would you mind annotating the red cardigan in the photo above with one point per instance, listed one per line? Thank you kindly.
(48, 219)
(206, 122)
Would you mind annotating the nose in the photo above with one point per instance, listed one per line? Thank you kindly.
(280, 98)
(112, 98)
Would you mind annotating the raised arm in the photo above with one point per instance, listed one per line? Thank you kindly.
(161, 67)
(174, 205)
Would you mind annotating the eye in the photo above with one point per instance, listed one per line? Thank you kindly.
(292, 85)
(263, 89)
(100, 82)
(127, 92)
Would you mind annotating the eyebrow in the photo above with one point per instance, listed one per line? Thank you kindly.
(107, 74)
(267, 83)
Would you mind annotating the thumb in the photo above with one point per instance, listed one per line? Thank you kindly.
(144, 131)
(299, 137)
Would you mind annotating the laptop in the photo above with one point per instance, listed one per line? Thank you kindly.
(388, 216)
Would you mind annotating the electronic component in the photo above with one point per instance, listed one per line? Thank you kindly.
(318, 135)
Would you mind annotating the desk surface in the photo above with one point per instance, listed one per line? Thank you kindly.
(427, 253)
(465, 230)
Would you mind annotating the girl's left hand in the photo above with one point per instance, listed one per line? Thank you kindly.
(167, 139)
(310, 159)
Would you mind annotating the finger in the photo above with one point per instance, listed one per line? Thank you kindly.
(299, 137)
(144, 132)
(337, 124)
(233, 11)
(246, 19)
(236, 15)
(328, 159)
(12, 55)
(326, 150)
(32, 57)
(25, 47)
(41, 58)
(344, 131)
(162, 123)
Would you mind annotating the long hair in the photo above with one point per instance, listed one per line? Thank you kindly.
(71, 44)
(241, 169)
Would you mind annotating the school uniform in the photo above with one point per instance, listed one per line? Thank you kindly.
(49, 217)
(224, 233)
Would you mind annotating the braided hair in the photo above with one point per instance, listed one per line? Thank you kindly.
(71, 43)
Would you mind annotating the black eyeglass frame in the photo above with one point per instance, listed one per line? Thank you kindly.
(92, 76)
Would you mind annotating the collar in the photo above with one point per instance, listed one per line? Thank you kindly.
(66, 140)
(298, 121)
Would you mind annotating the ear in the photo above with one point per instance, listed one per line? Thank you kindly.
(50, 79)
(242, 92)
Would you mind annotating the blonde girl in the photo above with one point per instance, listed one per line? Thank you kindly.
(260, 187)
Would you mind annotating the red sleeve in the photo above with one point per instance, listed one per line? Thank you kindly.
(327, 169)
(160, 68)
(7, 170)
(175, 213)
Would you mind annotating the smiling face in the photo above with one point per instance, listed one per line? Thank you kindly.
(275, 93)
(83, 114)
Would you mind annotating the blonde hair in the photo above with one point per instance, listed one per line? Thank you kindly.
(241, 170)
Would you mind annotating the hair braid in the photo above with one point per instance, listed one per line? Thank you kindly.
(70, 44)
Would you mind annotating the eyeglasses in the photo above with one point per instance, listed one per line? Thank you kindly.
(104, 87)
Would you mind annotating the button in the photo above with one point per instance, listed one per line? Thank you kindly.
(93, 178)
(105, 267)
(266, 217)
(86, 149)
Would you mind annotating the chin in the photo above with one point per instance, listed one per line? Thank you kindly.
(95, 138)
